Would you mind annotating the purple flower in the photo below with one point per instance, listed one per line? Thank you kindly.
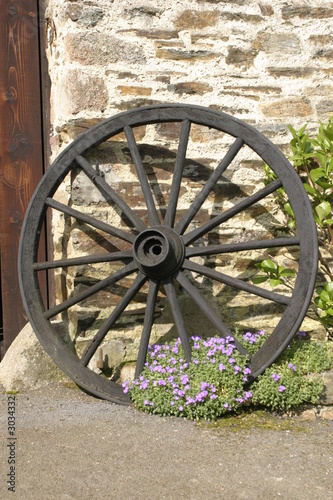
(237, 369)
(190, 401)
(247, 371)
(161, 382)
(172, 403)
(292, 367)
(213, 396)
(125, 390)
(275, 377)
(247, 395)
(195, 361)
(180, 408)
(226, 405)
(221, 367)
(282, 388)
(184, 379)
(231, 360)
(204, 385)
(301, 335)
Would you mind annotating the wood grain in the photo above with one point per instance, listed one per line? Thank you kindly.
(21, 148)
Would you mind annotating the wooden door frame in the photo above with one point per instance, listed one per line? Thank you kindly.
(24, 132)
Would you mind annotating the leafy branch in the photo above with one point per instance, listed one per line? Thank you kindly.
(312, 158)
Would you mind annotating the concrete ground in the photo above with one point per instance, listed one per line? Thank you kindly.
(71, 445)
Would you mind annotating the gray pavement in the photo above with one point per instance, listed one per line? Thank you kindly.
(71, 445)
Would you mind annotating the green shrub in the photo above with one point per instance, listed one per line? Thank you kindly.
(215, 382)
(312, 158)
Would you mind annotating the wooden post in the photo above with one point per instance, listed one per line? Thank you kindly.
(21, 146)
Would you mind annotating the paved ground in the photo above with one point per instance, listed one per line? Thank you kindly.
(71, 445)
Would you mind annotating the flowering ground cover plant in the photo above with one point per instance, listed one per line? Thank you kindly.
(216, 382)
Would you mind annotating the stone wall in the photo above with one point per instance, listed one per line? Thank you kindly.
(266, 64)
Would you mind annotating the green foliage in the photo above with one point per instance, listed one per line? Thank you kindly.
(277, 275)
(213, 384)
(324, 301)
(312, 157)
(292, 372)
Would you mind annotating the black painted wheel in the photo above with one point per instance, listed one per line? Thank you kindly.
(156, 245)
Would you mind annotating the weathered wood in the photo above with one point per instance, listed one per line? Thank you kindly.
(21, 161)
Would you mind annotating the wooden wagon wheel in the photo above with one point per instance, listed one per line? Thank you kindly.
(161, 249)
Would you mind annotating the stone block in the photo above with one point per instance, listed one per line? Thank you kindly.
(26, 365)
(303, 11)
(113, 353)
(291, 72)
(277, 43)
(241, 16)
(293, 107)
(266, 9)
(163, 51)
(127, 372)
(240, 57)
(327, 414)
(190, 88)
(134, 90)
(135, 103)
(309, 414)
(84, 16)
(94, 48)
(78, 91)
(157, 34)
(327, 397)
(190, 19)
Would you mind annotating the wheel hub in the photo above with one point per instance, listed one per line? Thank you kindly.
(159, 252)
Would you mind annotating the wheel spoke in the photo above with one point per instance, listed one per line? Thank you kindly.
(152, 212)
(207, 310)
(177, 174)
(178, 317)
(147, 324)
(109, 193)
(80, 261)
(240, 247)
(236, 283)
(107, 228)
(118, 275)
(223, 217)
(199, 200)
(98, 338)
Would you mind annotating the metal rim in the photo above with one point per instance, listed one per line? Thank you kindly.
(162, 252)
